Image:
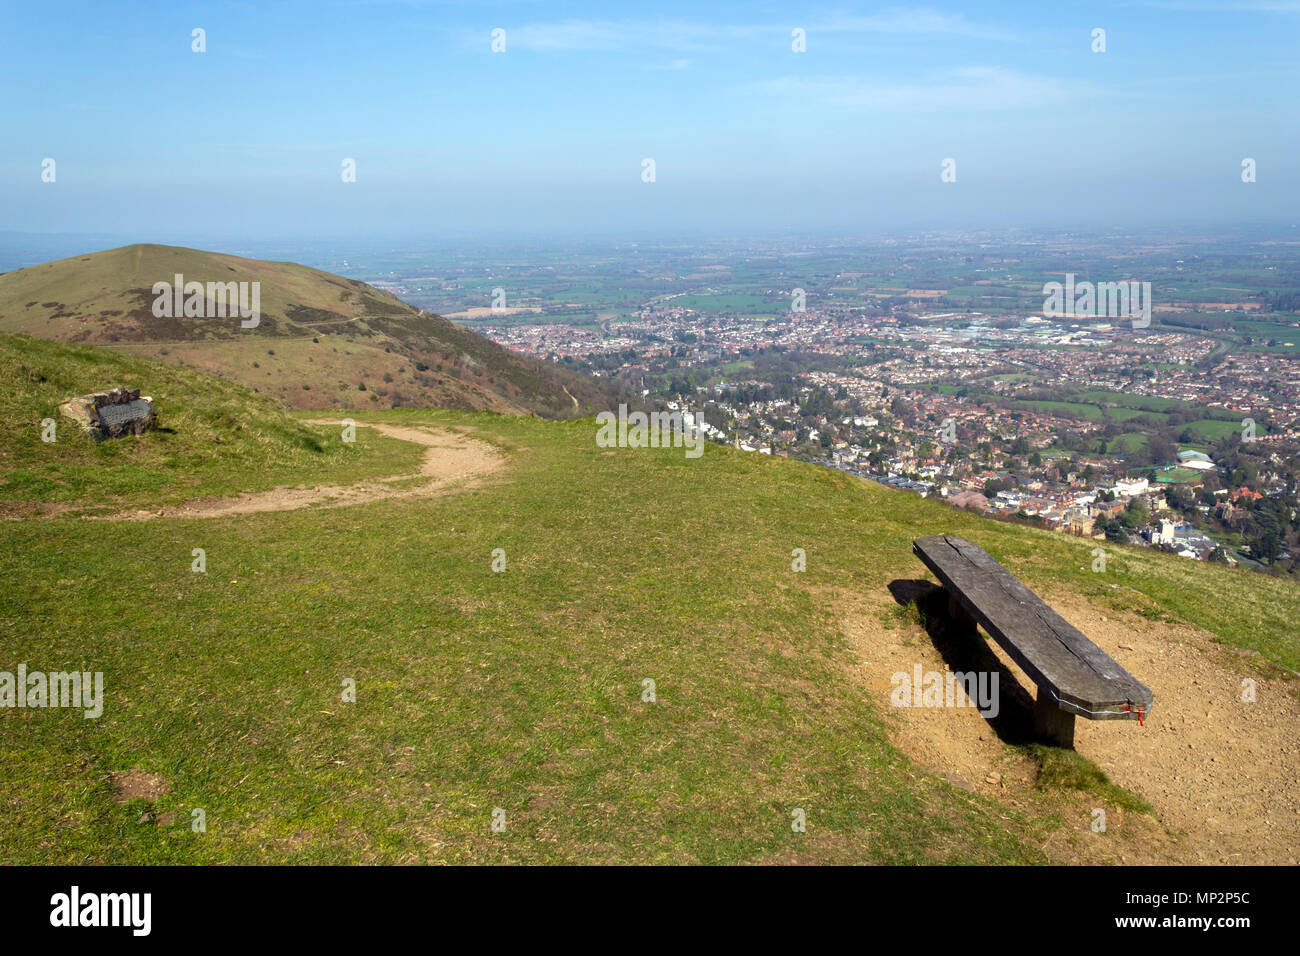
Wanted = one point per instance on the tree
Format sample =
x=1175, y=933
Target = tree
x=1135, y=515
x=1268, y=546
x=993, y=486
x=1161, y=450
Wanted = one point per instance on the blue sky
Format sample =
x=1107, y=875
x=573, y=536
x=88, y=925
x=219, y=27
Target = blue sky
x=246, y=140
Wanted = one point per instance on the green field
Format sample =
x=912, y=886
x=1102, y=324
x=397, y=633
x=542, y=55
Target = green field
x=1094, y=413
x=1128, y=443
x=1094, y=406
x=1124, y=400
x=1213, y=429
x=1174, y=476
x=732, y=303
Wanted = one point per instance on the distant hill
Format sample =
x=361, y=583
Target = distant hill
x=322, y=341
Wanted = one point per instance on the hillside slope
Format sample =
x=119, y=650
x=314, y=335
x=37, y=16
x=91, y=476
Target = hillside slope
x=323, y=341
x=525, y=688
x=213, y=438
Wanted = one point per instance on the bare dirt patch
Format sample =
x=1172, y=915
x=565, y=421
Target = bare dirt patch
x=1221, y=773
x=453, y=462
x=129, y=785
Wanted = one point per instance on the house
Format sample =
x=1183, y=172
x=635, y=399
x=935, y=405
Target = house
x=1077, y=521
x=1105, y=509
x=1128, y=487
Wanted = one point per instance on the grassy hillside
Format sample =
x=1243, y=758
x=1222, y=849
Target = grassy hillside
x=521, y=690
x=213, y=437
x=323, y=340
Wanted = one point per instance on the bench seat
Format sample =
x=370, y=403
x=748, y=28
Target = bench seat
x=1074, y=676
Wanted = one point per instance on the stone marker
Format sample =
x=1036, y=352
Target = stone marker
x=111, y=413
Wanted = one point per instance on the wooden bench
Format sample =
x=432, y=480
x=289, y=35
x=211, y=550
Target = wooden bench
x=1074, y=675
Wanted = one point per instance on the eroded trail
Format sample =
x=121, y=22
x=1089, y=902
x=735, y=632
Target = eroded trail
x=1222, y=774
x=452, y=462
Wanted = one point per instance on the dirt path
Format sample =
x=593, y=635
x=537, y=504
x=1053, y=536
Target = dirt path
x=1223, y=775
x=453, y=462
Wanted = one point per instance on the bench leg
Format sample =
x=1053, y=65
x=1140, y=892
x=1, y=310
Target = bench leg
x=1051, y=724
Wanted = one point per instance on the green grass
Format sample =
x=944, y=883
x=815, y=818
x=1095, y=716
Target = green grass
x=1066, y=770
x=213, y=437
x=1124, y=400
x=523, y=690
x=1212, y=429
x=732, y=302
x=1079, y=410
x=1128, y=443
x=476, y=690
x=1174, y=476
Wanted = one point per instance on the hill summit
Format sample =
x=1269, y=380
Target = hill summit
x=319, y=341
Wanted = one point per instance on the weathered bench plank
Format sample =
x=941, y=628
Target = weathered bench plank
x=1073, y=675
